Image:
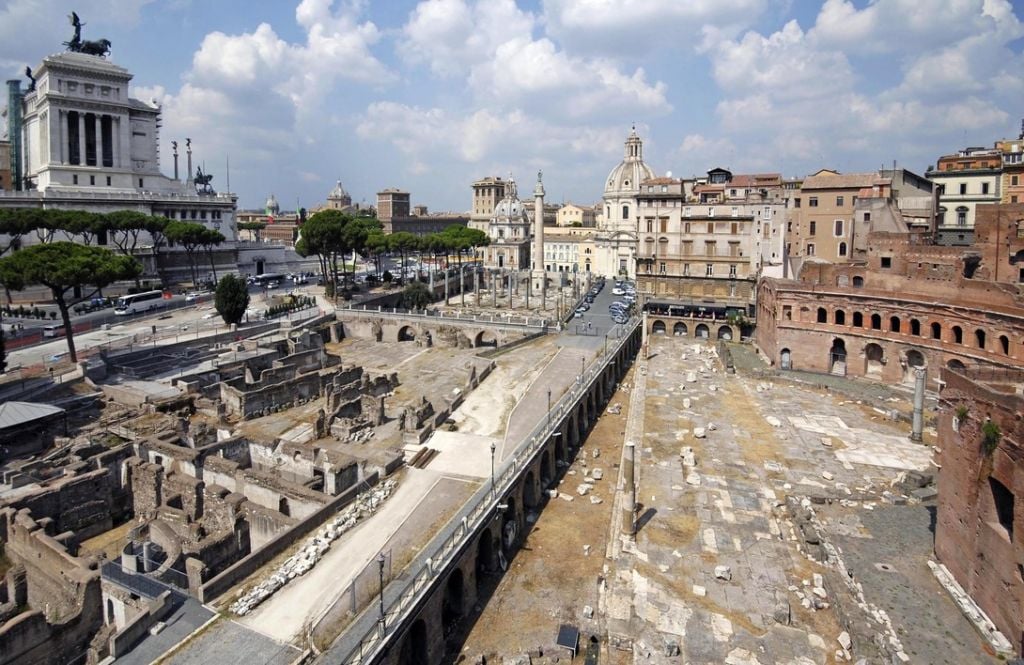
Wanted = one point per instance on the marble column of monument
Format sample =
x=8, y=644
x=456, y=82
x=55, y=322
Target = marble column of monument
x=539, y=276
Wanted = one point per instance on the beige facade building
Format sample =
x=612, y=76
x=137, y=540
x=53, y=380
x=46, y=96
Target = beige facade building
x=1013, y=168
x=391, y=203
x=826, y=224
x=487, y=192
x=568, y=249
x=574, y=215
x=971, y=177
x=706, y=255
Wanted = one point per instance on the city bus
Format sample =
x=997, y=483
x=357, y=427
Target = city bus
x=268, y=278
x=139, y=302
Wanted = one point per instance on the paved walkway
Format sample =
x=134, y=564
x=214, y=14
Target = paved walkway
x=560, y=374
x=228, y=642
x=283, y=615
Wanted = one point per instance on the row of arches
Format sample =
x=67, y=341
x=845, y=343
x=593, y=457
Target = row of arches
x=978, y=338
x=700, y=331
x=874, y=359
x=483, y=338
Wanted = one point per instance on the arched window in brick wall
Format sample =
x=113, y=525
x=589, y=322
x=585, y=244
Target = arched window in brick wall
x=1004, y=344
x=936, y=330
x=839, y=317
x=979, y=338
x=858, y=320
x=822, y=315
x=915, y=327
x=958, y=334
x=894, y=323
x=876, y=322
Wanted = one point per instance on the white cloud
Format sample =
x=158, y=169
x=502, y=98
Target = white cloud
x=538, y=75
x=803, y=99
x=639, y=26
x=452, y=35
x=492, y=44
x=260, y=97
x=30, y=29
x=784, y=64
x=474, y=136
x=907, y=26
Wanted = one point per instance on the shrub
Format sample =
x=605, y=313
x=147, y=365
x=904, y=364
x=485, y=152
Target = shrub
x=990, y=435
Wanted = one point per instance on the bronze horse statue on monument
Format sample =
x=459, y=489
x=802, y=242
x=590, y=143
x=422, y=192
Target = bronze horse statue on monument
x=99, y=47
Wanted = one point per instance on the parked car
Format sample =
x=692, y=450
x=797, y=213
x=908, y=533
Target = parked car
x=191, y=297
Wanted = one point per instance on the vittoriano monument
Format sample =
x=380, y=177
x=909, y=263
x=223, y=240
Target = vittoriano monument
x=100, y=47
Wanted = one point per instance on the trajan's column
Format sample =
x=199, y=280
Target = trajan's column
x=539, y=275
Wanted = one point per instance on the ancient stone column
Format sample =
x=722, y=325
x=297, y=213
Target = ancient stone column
x=538, y=233
x=918, y=423
x=629, y=491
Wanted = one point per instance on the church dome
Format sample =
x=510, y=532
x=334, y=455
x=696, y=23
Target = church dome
x=625, y=179
x=510, y=208
x=272, y=206
x=338, y=192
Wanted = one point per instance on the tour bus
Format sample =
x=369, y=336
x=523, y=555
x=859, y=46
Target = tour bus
x=139, y=302
x=53, y=330
x=268, y=278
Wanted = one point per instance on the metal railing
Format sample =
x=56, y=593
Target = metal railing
x=507, y=321
x=369, y=635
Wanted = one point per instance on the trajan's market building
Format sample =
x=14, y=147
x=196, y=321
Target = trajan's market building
x=80, y=142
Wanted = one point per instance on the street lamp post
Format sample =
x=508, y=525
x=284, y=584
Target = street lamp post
x=493, y=448
x=380, y=568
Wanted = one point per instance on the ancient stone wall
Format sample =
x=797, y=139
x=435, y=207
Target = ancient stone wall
x=978, y=524
x=63, y=594
x=79, y=503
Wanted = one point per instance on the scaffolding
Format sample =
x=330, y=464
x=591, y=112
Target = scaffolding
x=14, y=131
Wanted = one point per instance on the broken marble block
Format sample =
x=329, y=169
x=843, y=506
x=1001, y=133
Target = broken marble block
x=723, y=573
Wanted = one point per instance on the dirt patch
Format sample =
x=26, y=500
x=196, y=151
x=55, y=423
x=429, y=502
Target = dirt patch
x=109, y=543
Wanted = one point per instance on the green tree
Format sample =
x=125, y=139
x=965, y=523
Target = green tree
x=79, y=224
x=210, y=239
x=231, y=298
x=126, y=228
x=255, y=227
x=463, y=239
x=376, y=245
x=322, y=235
x=191, y=237
x=403, y=242
x=62, y=266
x=416, y=296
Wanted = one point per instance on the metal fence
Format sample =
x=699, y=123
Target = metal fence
x=365, y=587
x=370, y=634
x=507, y=321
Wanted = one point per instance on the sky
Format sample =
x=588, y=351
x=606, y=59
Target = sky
x=428, y=96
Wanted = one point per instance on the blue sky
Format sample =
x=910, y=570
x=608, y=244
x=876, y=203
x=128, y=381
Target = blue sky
x=430, y=95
